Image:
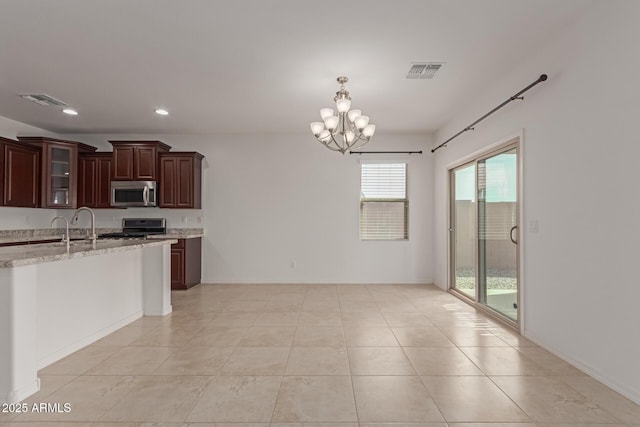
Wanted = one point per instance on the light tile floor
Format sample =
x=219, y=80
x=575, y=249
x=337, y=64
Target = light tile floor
x=320, y=356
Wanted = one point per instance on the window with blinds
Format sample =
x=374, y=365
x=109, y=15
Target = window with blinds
x=383, y=201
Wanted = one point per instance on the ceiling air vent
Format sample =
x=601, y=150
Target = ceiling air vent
x=44, y=99
x=423, y=70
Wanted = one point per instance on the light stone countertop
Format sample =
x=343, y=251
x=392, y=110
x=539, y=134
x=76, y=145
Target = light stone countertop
x=16, y=256
x=36, y=234
x=179, y=233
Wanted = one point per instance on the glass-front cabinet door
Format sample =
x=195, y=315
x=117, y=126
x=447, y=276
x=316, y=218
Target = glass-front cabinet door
x=60, y=176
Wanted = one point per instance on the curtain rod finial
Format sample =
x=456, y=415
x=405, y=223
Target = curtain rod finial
x=543, y=77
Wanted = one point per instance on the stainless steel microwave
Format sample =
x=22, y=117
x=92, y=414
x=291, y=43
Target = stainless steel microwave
x=133, y=193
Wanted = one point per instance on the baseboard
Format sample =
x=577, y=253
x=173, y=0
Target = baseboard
x=321, y=283
x=630, y=393
x=19, y=395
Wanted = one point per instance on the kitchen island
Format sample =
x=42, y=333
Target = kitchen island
x=55, y=301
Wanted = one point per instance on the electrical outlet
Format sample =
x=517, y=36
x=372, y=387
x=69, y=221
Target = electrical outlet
x=185, y=220
x=533, y=226
x=292, y=264
x=199, y=219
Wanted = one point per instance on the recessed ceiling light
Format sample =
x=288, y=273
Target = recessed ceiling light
x=161, y=112
x=70, y=111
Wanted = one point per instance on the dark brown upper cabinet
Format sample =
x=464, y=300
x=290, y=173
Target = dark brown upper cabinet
x=58, y=167
x=180, y=180
x=136, y=160
x=94, y=179
x=20, y=172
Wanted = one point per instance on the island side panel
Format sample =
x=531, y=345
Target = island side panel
x=18, y=336
x=156, y=279
x=84, y=299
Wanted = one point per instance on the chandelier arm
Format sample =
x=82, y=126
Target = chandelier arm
x=332, y=148
x=328, y=145
x=340, y=147
x=356, y=146
x=358, y=136
x=352, y=143
x=356, y=131
x=344, y=146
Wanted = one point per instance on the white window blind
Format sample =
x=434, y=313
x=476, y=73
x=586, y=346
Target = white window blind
x=383, y=201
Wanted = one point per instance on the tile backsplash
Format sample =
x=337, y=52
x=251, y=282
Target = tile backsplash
x=29, y=218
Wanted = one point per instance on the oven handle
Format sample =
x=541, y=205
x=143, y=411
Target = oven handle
x=145, y=195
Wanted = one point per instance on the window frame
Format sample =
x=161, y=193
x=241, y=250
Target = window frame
x=405, y=202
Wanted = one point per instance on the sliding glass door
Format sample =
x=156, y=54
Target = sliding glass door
x=497, y=232
x=484, y=231
x=463, y=234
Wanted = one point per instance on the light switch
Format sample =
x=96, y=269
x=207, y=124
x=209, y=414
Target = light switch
x=533, y=226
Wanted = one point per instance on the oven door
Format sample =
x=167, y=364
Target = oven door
x=133, y=193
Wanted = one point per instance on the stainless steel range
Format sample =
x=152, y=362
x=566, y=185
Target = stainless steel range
x=138, y=228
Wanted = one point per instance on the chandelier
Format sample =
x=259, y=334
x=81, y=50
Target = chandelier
x=346, y=131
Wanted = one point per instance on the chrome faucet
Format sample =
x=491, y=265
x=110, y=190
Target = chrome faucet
x=74, y=221
x=65, y=237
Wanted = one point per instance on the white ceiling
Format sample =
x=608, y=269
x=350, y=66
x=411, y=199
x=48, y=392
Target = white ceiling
x=233, y=66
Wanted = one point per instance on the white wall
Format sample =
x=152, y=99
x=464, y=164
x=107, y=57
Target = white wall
x=270, y=200
x=11, y=128
x=581, y=149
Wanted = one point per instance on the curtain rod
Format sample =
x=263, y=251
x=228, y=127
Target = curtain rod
x=542, y=78
x=385, y=152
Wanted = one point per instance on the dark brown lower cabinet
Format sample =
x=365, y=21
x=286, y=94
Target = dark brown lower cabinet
x=186, y=263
